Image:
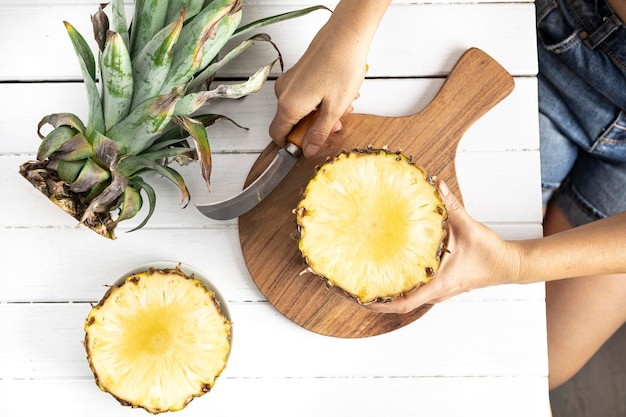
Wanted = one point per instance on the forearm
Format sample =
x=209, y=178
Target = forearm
x=593, y=249
x=353, y=24
x=361, y=17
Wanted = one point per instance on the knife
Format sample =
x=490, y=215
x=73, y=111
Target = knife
x=266, y=182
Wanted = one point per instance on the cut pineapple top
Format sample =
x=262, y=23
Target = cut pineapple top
x=372, y=223
x=157, y=340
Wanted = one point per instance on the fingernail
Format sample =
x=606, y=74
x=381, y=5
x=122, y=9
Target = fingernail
x=443, y=188
x=311, y=150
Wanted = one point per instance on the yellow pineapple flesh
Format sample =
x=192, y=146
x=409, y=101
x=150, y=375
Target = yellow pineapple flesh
x=372, y=223
x=157, y=340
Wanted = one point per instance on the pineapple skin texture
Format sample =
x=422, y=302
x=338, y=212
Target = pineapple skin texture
x=157, y=340
x=372, y=223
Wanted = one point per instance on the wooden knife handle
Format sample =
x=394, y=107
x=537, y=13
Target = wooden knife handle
x=297, y=133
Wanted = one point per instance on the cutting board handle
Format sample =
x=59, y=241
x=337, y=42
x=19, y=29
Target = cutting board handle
x=475, y=84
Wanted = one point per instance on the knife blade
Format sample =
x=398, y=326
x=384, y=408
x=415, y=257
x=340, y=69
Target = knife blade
x=265, y=183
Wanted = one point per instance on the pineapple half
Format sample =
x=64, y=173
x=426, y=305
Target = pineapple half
x=157, y=340
x=148, y=105
x=372, y=223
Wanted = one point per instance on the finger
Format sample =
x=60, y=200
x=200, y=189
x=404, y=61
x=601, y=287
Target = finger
x=337, y=127
x=429, y=293
x=397, y=306
x=280, y=127
x=284, y=122
x=450, y=200
x=401, y=305
x=318, y=132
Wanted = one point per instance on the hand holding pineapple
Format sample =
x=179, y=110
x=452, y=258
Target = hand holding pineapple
x=479, y=258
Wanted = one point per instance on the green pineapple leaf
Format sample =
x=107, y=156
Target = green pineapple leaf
x=192, y=7
x=117, y=80
x=108, y=198
x=88, y=68
x=90, y=175
x=132, y=165
x=61, y=119
x=152, y=64
x=147, y=105
x=174, y=134
x=142, y=185
x=200, y=41
x=143, y=125
x=148, y=20
x=68, y=170
x=75, y=149
x=198, y=132
x=54, y=140
x=210, y=71
x=194, y=101
x=131, y=204
x=119, y=21
x=275, y=19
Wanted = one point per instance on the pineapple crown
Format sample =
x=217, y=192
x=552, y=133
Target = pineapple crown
x=151, y=106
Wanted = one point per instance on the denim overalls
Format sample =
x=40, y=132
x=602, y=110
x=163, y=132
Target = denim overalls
x=582, y=107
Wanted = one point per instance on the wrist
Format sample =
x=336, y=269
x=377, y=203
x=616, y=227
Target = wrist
x=358, y=19
x=523, y=250
x=517, y=274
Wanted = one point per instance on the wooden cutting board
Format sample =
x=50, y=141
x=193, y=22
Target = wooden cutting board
x=267, y=232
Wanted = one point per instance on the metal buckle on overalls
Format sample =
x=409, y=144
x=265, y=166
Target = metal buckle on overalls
x=610, y=25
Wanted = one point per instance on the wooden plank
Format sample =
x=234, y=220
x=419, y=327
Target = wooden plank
x=415, y=48
x=514, y=175
x=510, y=125
x=64, y=273
x=43, y=340
x=501, y=187
x=367, y=397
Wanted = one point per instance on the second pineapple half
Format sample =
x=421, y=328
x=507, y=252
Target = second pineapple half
x=158, y=340
x=372, y=223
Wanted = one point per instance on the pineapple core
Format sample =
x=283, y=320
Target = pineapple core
x=157, y=341
x=372, y=223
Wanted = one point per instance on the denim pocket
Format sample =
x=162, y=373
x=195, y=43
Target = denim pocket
x=612, y=143
x=554, y=32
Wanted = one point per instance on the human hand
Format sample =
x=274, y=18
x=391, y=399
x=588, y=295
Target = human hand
x=476, y=257
x=327, y=78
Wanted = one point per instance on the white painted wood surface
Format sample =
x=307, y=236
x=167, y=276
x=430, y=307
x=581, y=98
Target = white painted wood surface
x=480, y=353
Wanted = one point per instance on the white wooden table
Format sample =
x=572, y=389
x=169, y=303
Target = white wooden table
x=482, y=353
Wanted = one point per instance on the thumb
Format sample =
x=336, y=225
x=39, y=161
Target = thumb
x=452, y=203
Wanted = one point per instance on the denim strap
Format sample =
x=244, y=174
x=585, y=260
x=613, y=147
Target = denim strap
x=610, y=24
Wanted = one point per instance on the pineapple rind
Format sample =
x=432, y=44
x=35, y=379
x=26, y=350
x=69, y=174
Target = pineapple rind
x=373, y=224
x=157, y=340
